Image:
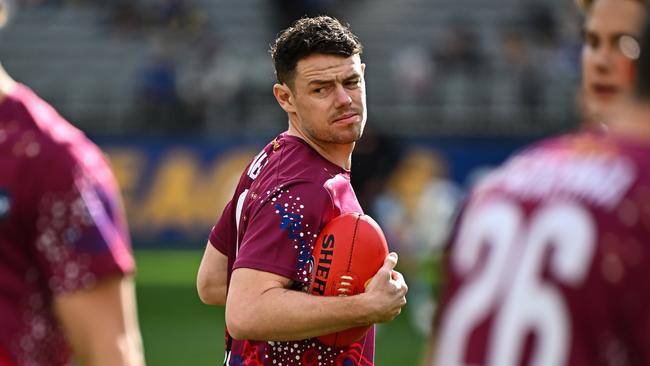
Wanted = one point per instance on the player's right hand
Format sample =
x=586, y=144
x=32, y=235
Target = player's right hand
x=387, y=291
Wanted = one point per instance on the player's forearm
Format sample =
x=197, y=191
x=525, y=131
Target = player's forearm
x=112, y=348
x=211, y=278
x=101, y=323
x=283, y=315
x=212, y=293
x=122, y=351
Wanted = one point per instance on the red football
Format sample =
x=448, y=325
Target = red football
x=348, y=252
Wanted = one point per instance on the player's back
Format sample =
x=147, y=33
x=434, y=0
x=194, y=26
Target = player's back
x=547, y=265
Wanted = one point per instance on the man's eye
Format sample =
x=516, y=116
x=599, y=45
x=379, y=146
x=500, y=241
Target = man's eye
x=591, y=41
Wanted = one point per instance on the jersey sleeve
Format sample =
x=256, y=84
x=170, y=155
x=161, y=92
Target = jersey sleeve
x=280, y=233
x=224, y=225
x=81, y=231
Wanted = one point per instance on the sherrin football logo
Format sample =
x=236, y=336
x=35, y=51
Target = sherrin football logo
x=322, y=271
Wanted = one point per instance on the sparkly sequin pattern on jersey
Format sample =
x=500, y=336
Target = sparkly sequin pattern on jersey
x=271, y=225
x=62, y=228
x=548, y=263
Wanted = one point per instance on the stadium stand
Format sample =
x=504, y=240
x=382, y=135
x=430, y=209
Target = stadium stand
x=73, y=56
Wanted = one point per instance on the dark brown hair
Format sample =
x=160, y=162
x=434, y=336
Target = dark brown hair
x=308, y=36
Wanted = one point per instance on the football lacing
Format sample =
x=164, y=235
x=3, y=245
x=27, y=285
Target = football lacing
x=345, y=286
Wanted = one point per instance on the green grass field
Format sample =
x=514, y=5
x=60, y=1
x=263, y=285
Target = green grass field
x=179, y=330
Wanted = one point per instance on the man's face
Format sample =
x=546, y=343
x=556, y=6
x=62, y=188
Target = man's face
x=329, y=98
x=605, y=77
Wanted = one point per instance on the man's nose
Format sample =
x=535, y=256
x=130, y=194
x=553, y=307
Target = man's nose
x=604, y=59
x=343, y=98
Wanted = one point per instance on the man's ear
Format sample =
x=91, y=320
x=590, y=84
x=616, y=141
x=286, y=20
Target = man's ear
x=284, y=96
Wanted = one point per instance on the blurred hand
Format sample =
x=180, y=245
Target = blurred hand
x=387, y=291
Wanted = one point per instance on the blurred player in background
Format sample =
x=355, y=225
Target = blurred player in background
x=259, y=252
x=605, y=82
x=65, y=256
x=606, y=79
x=549, y=262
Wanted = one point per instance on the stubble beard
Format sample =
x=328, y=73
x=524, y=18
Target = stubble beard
x=350, y=134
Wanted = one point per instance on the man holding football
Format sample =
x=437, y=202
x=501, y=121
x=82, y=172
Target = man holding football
x=257, y=261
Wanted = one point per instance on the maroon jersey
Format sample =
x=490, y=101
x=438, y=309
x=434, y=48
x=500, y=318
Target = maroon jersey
x=284, y=198
x=61, y=226
x=549, y=262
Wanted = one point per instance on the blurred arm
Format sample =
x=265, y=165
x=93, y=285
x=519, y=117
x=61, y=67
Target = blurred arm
x=211, y=279
x=261, y=307
x=101, y=323
x=427, y=356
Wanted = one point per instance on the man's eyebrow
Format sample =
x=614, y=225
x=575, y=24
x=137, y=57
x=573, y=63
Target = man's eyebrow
x=320, y=82
x=354, y=75
x=618, y=35
x=585, y=32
